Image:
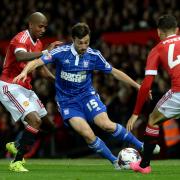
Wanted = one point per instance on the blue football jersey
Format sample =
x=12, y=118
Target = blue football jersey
x=74, y=72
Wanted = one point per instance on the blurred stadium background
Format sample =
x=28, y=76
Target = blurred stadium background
x=124, y=31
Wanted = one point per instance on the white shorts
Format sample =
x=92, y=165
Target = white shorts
x=20, y=101
x=169, y=104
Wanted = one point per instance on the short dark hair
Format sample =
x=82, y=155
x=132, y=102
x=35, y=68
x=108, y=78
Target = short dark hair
x=167, y=22
x=80, y=30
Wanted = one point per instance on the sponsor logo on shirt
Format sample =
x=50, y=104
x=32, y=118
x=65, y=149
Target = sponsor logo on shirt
x=80, y=77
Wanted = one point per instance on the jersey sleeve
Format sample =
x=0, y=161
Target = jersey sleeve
x=19, y=45
x=51, y=56
x=152, y=62
x=102, y=64
x=143, y=94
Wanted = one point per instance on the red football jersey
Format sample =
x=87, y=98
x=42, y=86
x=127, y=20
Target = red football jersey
x=12, y=68
x=167, y=55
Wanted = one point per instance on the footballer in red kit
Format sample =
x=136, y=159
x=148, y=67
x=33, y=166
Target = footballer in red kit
x=18, y=98
x=11, y=68
x=167, y=55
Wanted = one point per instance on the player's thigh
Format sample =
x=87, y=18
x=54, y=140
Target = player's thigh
x=102, y=120
x=168, y=107
x=92, y=106
x=38, y=105
x=16, y=100
x=156, y=117
x=69, y=110
x=81, y=126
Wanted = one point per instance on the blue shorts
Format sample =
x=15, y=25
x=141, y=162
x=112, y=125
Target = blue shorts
x=85, y=107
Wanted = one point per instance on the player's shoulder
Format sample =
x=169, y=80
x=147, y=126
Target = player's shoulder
x=61, y=48
x=93, y=51
x=21, y=37
x=156, y=48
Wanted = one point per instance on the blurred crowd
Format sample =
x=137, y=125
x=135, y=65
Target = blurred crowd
x=102, y=16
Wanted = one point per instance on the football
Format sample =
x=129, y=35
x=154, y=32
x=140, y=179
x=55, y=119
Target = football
x=126, y=156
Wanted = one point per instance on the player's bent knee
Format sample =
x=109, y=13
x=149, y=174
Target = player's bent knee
x=108, y=127
x=153, y=120
x=33, y=120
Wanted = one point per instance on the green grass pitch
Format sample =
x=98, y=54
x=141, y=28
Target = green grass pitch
x=87, y=169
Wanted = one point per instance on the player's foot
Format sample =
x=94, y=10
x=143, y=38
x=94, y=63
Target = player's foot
x=11, y=148
x=116, y=165
x=135, y=166
x=17, y=167
x=155, y=151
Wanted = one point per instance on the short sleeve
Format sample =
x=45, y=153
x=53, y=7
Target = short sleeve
x=19, y=45
x=102, y=64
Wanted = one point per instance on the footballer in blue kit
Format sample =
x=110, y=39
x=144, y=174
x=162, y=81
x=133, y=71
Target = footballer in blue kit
x=74, y=91
x=78, y=102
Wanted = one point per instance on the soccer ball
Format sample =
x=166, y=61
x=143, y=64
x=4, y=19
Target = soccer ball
x=126, y=156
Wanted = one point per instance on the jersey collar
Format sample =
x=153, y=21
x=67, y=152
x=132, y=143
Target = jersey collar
x=171, y=35
x=74, y=52
x=34, y=43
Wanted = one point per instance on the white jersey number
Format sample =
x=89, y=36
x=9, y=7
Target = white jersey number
x=92, y=104
x=172, y=63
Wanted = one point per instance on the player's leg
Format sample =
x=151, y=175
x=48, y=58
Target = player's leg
x=16, y=100
x=47, y=126
x=94, y=142
x=168, y=107
x=29, y=134
x=150, y=140
x=27, y=139
x=116, y=130
x=151, y=136
x=37, y=107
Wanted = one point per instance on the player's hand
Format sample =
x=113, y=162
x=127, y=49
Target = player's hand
x=21, y=77
x=53, y=45
x=150, y=95
x=131, y=122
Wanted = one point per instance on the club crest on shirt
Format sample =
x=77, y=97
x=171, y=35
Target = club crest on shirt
x=47, y=56
x=26, y=103
x=85, y=64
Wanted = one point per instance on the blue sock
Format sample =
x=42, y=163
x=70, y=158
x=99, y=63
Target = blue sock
x=100, y=147
x=123, y=135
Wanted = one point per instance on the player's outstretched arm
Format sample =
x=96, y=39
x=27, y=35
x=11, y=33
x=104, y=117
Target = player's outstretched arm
x=28, y=68
x=124, y=77
x=28, y=56
x=141, y=98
